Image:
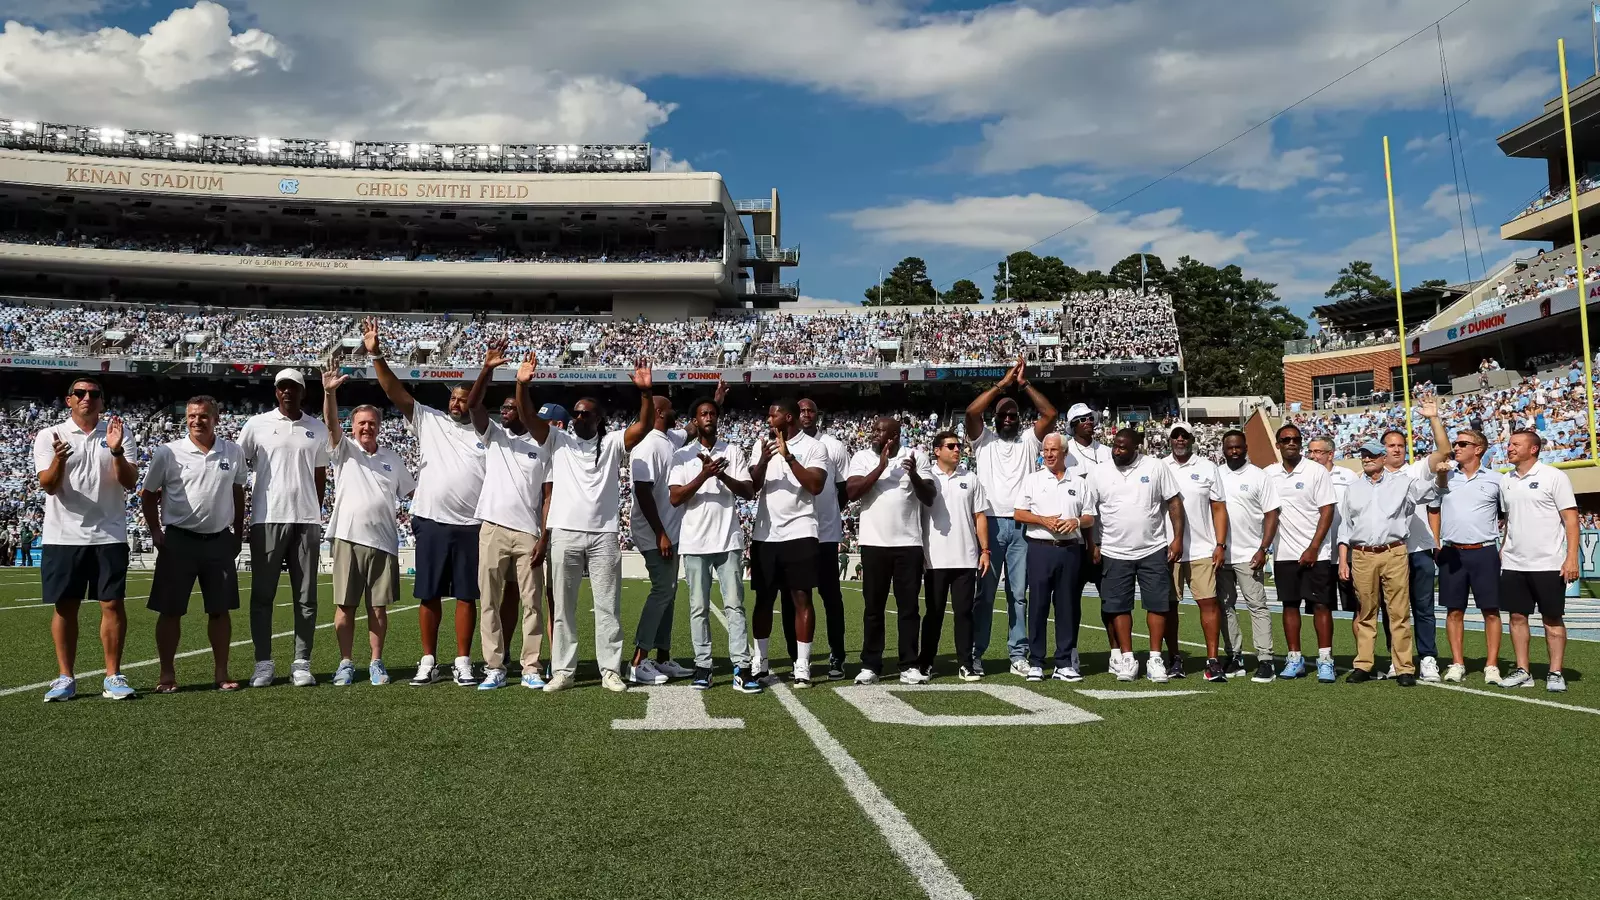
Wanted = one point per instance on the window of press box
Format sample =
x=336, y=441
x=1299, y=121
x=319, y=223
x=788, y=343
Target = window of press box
x=1436, y=372
x=1349, y=385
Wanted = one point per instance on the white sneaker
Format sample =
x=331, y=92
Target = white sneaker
x=300, y=673
x=1429, y=669
x=1155, y=669
x=1128, y=669
x=1391, y=673
x=1491, y=674
x=559, y=681
x=613, y=682
x=427, y=672
x=1066, y=673
x=646, y=673
x=671, y=669
x=1456, y=674
x=1020, y=667
x=912, y=676
x=462, y=670
x=866, y=676
x=801, y=674
x=1115, y=666
x=1035, y=673
x=265, y=672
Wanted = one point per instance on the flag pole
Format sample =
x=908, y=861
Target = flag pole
x=1399, y=304
x=1577, y=247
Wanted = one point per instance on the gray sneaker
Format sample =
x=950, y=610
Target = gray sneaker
x=1519, y=677
x=1555, y=683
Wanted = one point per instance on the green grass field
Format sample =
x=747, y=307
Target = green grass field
x=1236, y=790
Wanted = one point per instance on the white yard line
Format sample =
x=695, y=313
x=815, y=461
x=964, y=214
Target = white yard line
x=184, y=655
x=1508, y=694
x=908, y=844
x=38, y=601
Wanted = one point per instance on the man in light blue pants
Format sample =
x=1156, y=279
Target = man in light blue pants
x=1006, y=454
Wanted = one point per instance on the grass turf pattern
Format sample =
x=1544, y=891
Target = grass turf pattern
x=1241, y=790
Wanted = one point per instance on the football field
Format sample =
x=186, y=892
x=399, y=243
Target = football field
x=999, y=790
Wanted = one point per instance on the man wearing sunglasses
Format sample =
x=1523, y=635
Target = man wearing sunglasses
x=1469, y=560
x=289, y=453
x=955, y=526
x=1302, y=562
x=85, y=472
x=1006, y=454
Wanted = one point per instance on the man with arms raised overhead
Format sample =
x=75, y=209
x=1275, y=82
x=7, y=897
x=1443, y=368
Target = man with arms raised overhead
x=1252, y=500
x=193, y=494
x=1005, y=455
x=1422, y=542
x=444, y=514
x=1136, y=504
x=1540, y=556
x=289, y=452
x=1302, y=563
x=85, y=472
x=586, y=478
x=893, y=494
x=368, y=480
x=830, y=532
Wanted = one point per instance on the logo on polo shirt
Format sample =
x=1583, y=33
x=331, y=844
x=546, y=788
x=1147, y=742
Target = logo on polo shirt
x=480, y=445
x=1299, y=485
x=1144, y=479
x=388, y=468
x=1532, y=485
x=532, y=455
x=310, y=434
x=225, y=465
x=108, y=447
x=962, y=485
x=1072, y=492
x=1194, y=476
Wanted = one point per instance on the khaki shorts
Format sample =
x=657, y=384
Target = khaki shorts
x=1199, y=574
x=362, y=572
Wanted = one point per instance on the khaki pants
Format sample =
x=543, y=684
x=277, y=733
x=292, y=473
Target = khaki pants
x=1200, y=576
x=505, y=554
x=1390, y=573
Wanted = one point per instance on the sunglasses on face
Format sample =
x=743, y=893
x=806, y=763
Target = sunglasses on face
x=1466, y=443
x=582, y=413
x=81, y=393
x=950, y=447
x=1288, y=440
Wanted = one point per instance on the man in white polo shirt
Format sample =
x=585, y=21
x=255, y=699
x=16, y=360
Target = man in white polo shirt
x=1422, y=541
x=586, y=484
x=511, y=545
x=1540, y=555
x=956, y=552
x=288, y=450
x=653, y=522
x=1252, y=500
x=367, y=482
x=85, y=472
x=1302, y=564
x=193, y=494
x=1136, y=504
x=893, y=494
x=708, y=479
x=444, y=514
x=1054, y=506
x=1206, y=511
x=1083, y=454
x=1005, y=454
x=830, y=531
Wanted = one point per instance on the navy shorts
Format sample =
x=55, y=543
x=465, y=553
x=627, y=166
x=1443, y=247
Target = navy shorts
x=447, y=560
x=1305, y=587
x=1523, y=592
x=784, y=566
x=1477, y=570
x=71, y=572
x=1152, y=575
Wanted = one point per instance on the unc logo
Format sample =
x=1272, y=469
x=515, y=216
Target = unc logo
x=1299, y=485
x=310, y=435
x=963, y=485
x=1532, y=485
x=532, y=455
x=480, y=445
x=388, y=468
x=672, y=376
x=289, y=186
x=1072, y=492
x=1195, y=476
x=225, y=466
x=1166, y=368
x=1144, y=479
x=1450, y=335
x=108, y=447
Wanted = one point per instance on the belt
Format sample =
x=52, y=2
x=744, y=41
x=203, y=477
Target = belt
x=1067, y=543
x=1378, y=548
x=1455, y=546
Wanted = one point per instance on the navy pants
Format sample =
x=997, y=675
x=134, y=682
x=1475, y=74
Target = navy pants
x=1053, y=588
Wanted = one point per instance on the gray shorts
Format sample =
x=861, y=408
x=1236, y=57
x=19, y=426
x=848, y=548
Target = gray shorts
x=1152, y=575
x=364, y=573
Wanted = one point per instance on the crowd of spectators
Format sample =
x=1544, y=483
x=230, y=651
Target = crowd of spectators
x=1551, y=198
x=690, y=343
x=1120, y=324
x=818, y=340
x=973, y=334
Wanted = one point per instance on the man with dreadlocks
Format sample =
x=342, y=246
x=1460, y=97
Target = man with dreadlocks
x=586, y=477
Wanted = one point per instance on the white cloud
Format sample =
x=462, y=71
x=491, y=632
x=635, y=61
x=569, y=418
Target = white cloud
x=803, y=300
x=662, y=160
x=1423, y=147
x=1329, y=190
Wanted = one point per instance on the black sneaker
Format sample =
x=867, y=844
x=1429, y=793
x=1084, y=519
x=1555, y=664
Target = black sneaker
x=835, y=668
x=744, y=683
x=1175, y=666
x=1235, y=667
x=1265, y=673
x=1406, y=680
x=1215, y=672
x=1357, y=676
x=701, y=680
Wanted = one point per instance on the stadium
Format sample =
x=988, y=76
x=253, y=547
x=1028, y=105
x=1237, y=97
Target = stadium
x=427, y=288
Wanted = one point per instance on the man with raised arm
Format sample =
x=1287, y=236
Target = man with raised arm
x=586, y=478
x=444, y=514
x=289, y=452
x=1005, y=454
x=1422, y=540
x=85, y=473
x=368, y=481
x=511, y=542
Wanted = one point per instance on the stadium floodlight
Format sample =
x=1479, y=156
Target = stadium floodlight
x=109, y=135
x=449, y=154
x=144, y=142
x=347, y=149
x=413, y=151
x=494, y=149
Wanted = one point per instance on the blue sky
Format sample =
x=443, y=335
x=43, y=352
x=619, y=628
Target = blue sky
x=953, y=132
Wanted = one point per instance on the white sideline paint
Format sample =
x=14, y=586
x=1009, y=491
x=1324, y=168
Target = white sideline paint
x=184, y=655
x=1134, y=695
x=1509, y=694
x=674, y=708
x=913, y=850
x=879, y=704
x=38, y=601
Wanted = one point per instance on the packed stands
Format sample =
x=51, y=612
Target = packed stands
x=975, y=334
x=1536, y=278
x=1120, y=324
x=805, y=340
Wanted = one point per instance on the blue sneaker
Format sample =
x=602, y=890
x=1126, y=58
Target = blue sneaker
x=492, y=679
x=376, y=673
x=115, y=687
x=533, y=681
x=701, y=679
x=1295, y=667
x=345, y=674
x=63, y=688
x=744, y=682
x=1325, y=671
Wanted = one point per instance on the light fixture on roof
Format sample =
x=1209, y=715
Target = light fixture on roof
x=346, y=149
x=449, y=154
x=413, y=151
x=109, y=135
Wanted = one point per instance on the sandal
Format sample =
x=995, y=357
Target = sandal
x=227, y=686
x=166, y=687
